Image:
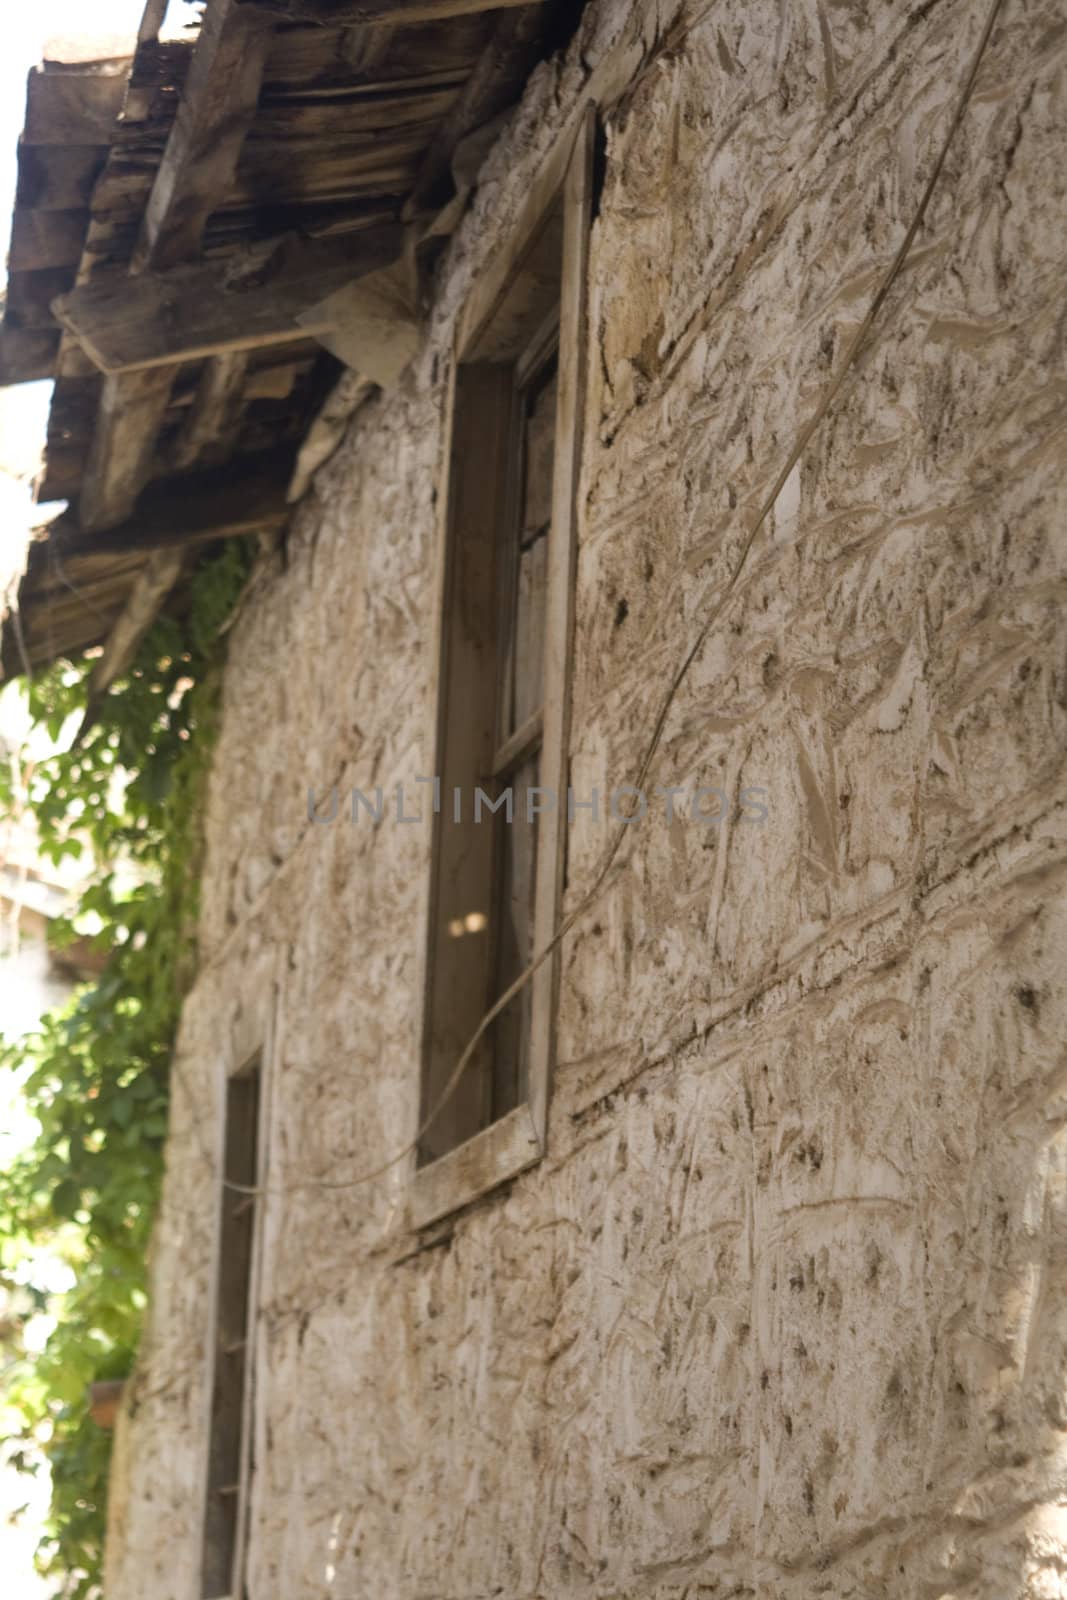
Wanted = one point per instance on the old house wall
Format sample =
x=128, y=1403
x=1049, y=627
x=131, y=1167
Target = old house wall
x=782, y=1313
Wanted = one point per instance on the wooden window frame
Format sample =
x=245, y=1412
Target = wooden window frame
x=517, y=1140
x=249, y=1052
x=516, y=743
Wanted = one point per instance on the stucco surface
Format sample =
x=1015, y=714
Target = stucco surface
x=783, y=1313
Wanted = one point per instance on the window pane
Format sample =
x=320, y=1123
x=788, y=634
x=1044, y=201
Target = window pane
x=514, y=924
x=531, y=566
x=226, y=1445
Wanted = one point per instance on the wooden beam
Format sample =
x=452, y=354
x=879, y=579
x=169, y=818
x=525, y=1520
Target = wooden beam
x=58, y=177
x=327, y=430
x=126, y=324
x=151, y=21
x=246, y=495
x=128, y=420
x=72, y=106
x=46, y=239
x=277, y=380
x=368, y=47
x=157, y=579
x=76, y=584
x=27, y=354
x=497, y=80
x=356, y=13
x=215, y=414
x=217, y=108
x=272, y=382
x=29, y=296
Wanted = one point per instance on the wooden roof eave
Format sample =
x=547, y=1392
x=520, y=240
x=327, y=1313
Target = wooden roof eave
x=178, y=296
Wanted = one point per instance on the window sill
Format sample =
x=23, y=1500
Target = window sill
x=498, y=1153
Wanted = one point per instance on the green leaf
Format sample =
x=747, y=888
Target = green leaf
x=66, y=1198
x=96, y=1076
x=122, y=1109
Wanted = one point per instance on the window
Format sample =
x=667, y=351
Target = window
x=515, y=768
x=506, y=601
x=229, y=1451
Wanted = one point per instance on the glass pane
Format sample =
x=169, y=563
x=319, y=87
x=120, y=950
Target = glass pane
x=530, y=630
x=514, y=925
x=528, y=652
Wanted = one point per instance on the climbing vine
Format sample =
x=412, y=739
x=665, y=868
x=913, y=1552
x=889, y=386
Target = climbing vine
x=84, y=1192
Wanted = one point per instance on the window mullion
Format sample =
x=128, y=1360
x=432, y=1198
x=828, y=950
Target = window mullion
x=522, y=743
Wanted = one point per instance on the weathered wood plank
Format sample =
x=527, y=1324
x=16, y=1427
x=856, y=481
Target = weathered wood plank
x=351, y=170
x=499, y=1152
x=30, y=295
x=370, y=46
x=521, y=268
x=218, y=103
x=497, y=80
x=157, y=579
x=128, y=420
x=27, y=354
x=71, y=423
x=310, y=57
x=559, y=619
x=327, y=430
x=151, y=20
x=64, y=468
x=90, y=578
x=162, y=64
x=127, y=324
x=403, y=13
x=58, y=177
x=76, y=108
x=274, y=382
x=243, y=497
x=56, y=635
x=217, y=107
x=232, y=230
x=72, y=362
x=215, y=413
x=46, y=239
x=347, y=116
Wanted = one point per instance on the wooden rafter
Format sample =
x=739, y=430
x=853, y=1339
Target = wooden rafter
x=216, y=111
x=215, y=413
x=217, y=108
x=495, y=82
x=158, y=319
x=128, y=420
x=151, y=20
x=241, y=497
x=27, y=354
x=157, y=579
x=370, y=47
x=346, y=13
x=77, y=584
x=153, y=230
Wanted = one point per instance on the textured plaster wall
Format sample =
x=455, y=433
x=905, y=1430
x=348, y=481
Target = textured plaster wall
x=784, y=1311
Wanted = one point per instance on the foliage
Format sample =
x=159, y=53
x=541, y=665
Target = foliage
x=97, y=1071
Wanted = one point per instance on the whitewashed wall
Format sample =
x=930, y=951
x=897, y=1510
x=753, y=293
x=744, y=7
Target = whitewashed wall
x=784, y=1312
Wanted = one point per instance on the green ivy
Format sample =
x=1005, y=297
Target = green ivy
x=86, y=1191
